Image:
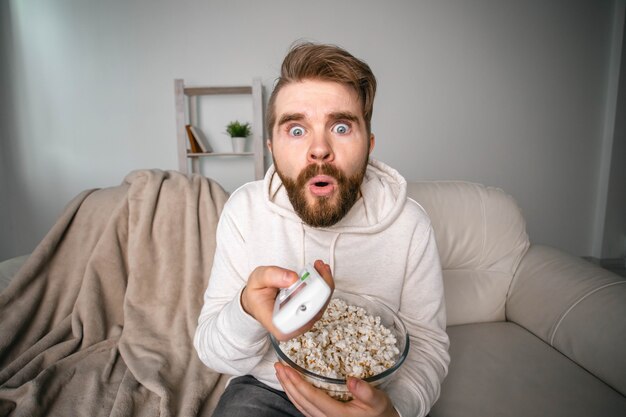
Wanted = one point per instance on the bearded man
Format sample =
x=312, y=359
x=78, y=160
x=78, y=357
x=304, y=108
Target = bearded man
x=323, y=200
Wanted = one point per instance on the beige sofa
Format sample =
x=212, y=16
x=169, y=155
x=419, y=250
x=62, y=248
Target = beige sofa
x=533, y=331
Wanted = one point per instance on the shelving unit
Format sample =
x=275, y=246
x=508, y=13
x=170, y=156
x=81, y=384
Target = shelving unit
x=187, y=98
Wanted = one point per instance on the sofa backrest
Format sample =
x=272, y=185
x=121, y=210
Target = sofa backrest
x=481, y=236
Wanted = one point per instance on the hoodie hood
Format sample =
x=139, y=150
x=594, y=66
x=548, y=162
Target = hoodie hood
x=383, y=194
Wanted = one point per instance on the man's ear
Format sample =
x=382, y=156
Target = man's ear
x=269, y=145
x=372, y=142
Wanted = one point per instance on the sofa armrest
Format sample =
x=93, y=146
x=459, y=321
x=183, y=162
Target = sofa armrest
x=9, y=268
x=576, y=307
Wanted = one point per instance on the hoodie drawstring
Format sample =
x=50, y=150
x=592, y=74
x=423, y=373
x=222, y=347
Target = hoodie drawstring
x=303, y=254
x=331, y=255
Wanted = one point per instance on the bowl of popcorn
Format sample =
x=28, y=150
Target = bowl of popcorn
x=357, y=336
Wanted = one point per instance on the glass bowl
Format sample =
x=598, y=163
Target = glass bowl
x=337, y=388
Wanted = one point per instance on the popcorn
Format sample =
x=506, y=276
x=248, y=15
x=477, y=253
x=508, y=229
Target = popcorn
x=346, y=341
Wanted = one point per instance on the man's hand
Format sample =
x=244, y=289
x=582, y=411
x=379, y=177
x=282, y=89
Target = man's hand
x=257, y=298
x=312, y=402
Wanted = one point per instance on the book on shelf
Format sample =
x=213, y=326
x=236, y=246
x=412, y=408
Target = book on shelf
x=201, y=139
x=193, y=143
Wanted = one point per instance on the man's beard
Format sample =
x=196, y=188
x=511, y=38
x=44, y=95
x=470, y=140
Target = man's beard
x=325, y=211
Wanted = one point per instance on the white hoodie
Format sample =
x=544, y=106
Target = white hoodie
x=384, y=247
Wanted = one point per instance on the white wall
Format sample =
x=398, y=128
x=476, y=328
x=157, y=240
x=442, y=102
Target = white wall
x=508, y=93
x=10, y=194
x=614, y=231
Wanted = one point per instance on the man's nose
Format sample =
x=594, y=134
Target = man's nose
x=321, y=149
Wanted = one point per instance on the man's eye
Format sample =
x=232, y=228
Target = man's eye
x=341, y=128
x=296, y=131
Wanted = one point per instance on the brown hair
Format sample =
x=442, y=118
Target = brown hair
x=328, y=63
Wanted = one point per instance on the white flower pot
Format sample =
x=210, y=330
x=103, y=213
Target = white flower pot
x=239, y=144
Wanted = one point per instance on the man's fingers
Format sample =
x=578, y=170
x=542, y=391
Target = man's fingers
x=324, y=270
x=367, y=397
x=257, y=297
x=272, y=277
x=361, y=390
x=309, y=400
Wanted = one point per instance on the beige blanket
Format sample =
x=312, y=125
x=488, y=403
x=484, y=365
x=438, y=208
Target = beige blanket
x=101, y=318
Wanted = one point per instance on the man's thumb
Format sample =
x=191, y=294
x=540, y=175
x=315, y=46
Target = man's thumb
x=361, y=390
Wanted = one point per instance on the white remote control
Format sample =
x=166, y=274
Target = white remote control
x=297, y=305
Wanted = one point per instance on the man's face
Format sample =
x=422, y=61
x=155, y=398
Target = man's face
x=320, y=148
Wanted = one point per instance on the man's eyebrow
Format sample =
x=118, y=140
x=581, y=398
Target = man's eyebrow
x=344, y=115
x=290, y=117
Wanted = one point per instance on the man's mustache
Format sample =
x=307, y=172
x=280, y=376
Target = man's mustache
x=320, y=169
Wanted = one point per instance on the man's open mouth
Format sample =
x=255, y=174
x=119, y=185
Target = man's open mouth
x=322, y=185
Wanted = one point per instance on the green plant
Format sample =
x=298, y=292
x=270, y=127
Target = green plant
x=238, y=130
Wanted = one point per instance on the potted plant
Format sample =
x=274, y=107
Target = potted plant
x=239, y=133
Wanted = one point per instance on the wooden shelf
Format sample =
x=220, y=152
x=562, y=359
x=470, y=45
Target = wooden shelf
x=206, y=91
x=186, y=97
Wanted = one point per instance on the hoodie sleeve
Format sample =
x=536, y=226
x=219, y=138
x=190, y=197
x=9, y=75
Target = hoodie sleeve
x=227, y=339
x=422, y=308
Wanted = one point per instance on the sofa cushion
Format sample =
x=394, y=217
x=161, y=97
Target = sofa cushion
x=481, y=236
x=575, y=306
x=502, y=370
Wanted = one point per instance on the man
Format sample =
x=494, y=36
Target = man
x=323, y=200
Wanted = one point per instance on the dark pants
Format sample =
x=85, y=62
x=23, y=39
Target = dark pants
x=247, y=397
